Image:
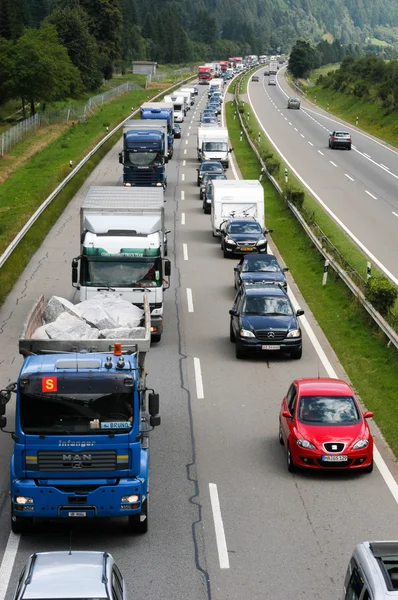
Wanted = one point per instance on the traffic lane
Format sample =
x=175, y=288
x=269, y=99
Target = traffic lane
x=236, y=434
x=172, y=552
x=370, y=220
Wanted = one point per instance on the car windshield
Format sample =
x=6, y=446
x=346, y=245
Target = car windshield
x=270, y=305
x=337, y=410
x=114, y=272
x=145, y=159
x=208, y=120
x=215, y=146
x=244, y=228
x=270, y=265
x=211, y=167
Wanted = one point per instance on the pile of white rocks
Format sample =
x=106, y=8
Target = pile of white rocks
x=104, y=316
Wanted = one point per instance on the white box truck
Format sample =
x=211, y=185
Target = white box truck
x=216, y=85
x=187, y=98
x=192, y=94
x=212, y=144
x=236, y=198
x=123, y=241
x=178, y=102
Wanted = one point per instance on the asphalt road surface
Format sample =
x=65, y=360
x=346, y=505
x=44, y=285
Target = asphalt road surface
x=227, y=520
x=359, y=186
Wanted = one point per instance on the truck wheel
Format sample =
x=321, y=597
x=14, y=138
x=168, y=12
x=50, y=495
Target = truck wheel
x=155, y=338
x=20, y=524
x=135, y=524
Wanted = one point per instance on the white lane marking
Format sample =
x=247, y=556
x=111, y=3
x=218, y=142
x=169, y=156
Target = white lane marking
x=295, y=129
x=186, y=142
x=321, y=153
x=185, y=151
x=198, y=379
x=184, y=162
x=182, y=218
x=185, y=251
x=350, y=178
x=189, y=128
x=182, y=177
x=322, y=203
x=371, y=195
x=285, y=118
x=8, y=562
x=219, y=527
x=310, y=143
x=182, y=195
x=367, y=155
x=289, y=123
x=384, y=167
x=303, y=136
x=189, y=300
x=332, y=163
x=187, y=136
x=395, y=214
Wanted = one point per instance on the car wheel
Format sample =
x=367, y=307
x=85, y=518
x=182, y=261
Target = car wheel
x=349, y=147
x=201, y=195
x=155, y=338
x=20, y=524
x=280, y=436
x=239, y=353
x=291, y=467
x=232, y=337
x=226, y=255
x=297, y=354
x=139, y=523
x=369, y=468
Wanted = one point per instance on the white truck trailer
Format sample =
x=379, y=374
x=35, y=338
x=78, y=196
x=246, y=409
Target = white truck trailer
x=236, y=198
x=212, y=144
x=123, y=241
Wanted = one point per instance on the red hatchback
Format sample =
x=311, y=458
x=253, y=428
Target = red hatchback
x=322, y=426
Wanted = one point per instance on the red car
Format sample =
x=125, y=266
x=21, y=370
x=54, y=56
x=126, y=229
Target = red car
x=322, y=426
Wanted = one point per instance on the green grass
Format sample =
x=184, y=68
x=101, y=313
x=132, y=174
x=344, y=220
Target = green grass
x=375, y=42
x=324, y=70
x=361, y=348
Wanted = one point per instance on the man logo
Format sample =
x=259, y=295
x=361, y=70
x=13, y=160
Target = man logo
x=76, y=458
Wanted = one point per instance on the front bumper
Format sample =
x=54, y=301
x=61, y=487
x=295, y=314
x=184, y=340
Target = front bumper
x=53, y=502
x=255, y=345
x=245, y=249
x=312, y=459
x=156, y=324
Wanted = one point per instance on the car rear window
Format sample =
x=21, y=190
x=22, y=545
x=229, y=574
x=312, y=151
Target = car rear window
x=341, y=134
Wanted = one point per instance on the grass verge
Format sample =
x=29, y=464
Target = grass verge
x=361, y=348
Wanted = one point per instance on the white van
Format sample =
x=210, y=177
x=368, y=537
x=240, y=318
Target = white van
x=236, y=198
x=192, y=92
x=187, y=96
x=178, y=102
x=212, y=144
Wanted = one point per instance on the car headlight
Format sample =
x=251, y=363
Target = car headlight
x=159, y=184
x=360, y=444
x=133, y=499
x=23, y=500
x=246, y=333
x=228, y=240
x=127, y=184
x=294, y=333
x=261, y=243
x=306, y=444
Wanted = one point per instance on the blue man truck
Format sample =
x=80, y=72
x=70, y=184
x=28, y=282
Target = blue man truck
x=145, y=153
x=161, y=111
x=83, y=415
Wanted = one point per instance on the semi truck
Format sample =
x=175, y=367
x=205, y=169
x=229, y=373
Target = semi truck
x=273, y=67
x=161, y=111
x=236, y=198
x=204, y=75
x=83, y=416
x=145, y=153
x=212, y=144
x=123, y=247
x=178, y=103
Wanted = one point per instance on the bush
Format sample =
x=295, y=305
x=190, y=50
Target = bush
x=382, y=294
x=273, y=165
x=296, y=197
x=266, y=154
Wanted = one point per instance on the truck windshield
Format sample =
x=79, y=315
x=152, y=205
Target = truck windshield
x=215, y=147
x=116, y=272
x=177, y=107
x=53, y=414
x=145, y=159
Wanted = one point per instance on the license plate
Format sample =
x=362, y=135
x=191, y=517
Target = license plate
x=77, y=514
x=247, y=249
x=339, y=458
x=270, y=347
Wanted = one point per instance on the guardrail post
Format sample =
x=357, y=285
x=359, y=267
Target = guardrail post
x=241, y=135
x=356, y=121
x=368, y=270
x=325, y=272
x=286, y=176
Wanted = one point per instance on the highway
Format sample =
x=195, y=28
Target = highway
x=226, y=518
x=360, y=187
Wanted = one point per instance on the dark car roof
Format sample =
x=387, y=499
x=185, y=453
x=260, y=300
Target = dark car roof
x=211, y=163
x=262, y=289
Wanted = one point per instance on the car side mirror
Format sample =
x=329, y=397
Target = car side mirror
x=154, y=421
x=167, y=268
x=287, y=414
x=218, y=230
x=167, y=231
x=233, y=312
x=236, y=268
x=74, y=271
x=121, y=157
x=368, y=414
x=268, y=230
x=299, y=312
x=285, y=269
x=231, y=150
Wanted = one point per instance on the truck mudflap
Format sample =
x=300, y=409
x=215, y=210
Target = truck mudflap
x=80, y=499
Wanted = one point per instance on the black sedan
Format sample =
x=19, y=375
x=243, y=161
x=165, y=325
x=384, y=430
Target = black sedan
x=240, y=236
x=209, y=165
x=254, y=268
x=263, y=319
x=205, y=180
x=208, y=189
x=177, y=131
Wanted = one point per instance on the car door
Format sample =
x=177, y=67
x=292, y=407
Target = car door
x=289, y=404
x=354, y=582
x=237, y=305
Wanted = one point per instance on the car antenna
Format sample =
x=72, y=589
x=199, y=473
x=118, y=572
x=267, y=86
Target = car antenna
x=70, y=542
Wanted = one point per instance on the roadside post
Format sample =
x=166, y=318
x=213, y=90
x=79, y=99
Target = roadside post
x=325, y=272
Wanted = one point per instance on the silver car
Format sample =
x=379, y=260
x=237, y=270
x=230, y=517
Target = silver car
x=372, y=572
x=271, y=81
x=74, y=575
x=293, y=103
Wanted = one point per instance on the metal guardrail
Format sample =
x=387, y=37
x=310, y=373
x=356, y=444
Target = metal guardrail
x=11, y=247
x=318, y=243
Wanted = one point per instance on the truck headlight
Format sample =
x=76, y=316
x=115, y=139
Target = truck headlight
x=127, y=185
x=23, y=500
x=133, y=499
x=294, y=333
x=246, y=333
x=159, y=184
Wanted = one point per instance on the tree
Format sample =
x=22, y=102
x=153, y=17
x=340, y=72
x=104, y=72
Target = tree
x=6, y=50
x=14, y=15
x=302, y=59
x=41, y=69
x=72, y=28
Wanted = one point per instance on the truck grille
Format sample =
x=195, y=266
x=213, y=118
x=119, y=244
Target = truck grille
x=141, y=178
x=270, y=336
x=93, y=460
